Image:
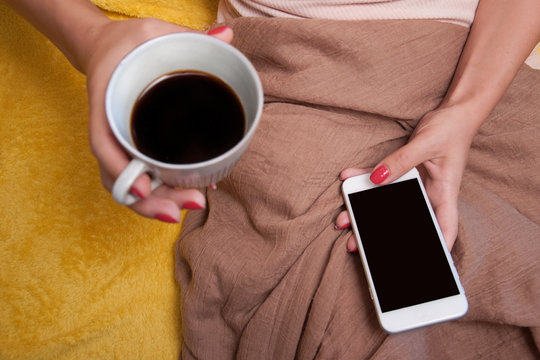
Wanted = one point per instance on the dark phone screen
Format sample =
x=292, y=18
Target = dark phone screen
x=405, y=257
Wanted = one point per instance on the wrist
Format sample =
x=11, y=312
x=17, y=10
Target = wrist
x=466, y=116
x=473, y=91
x=79, y=40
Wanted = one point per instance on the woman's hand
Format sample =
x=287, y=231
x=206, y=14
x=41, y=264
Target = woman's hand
x=114, y=40
x=95, y=44
x=438, y=147
x=442, y=139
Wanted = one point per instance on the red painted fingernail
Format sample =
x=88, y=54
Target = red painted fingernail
x=217, y=30
x=191, y=205
x=136, y=192
x=166, y=218
x=344, y=226
x=379, y=175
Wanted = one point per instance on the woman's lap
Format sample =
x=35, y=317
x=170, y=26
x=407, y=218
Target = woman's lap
x=262, y=270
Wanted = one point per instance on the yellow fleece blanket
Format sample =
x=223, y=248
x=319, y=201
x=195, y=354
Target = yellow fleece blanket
x=80, y=276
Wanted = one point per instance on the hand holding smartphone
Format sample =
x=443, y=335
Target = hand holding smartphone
x=410, y=272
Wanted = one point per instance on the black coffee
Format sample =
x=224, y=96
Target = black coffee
x=187, y=117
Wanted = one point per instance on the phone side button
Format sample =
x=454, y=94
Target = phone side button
x=370, y=293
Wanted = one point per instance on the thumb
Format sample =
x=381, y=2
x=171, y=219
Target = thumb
x=399, y=162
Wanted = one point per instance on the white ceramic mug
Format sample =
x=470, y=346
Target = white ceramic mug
x=163, y=55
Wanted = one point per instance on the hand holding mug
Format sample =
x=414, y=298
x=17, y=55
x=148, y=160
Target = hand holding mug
x=113, y=41
x=185, y=107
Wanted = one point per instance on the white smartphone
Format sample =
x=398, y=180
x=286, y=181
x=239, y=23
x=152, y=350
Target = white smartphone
x=410, y=272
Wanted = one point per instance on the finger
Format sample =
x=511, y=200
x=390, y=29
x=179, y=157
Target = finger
x=400, y=161
x=447, y=216
x=350, y=172
x=343, y=221
x=224, y=33
x=111, y=156
x=112, y=161
x=165, y=203
x=189, y=199
x=109, y=153
x=352, y=246
x=141, y=187
x=155, y=207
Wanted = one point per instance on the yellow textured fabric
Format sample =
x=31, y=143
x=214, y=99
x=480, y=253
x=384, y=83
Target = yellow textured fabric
x=196, y=14
x=80, y=276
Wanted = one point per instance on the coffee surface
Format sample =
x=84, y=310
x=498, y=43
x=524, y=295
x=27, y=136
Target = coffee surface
x=187, y=117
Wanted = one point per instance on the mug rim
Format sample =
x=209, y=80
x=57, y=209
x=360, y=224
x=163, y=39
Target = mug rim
x=179, y=37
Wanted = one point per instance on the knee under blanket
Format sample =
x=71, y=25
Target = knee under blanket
x=263, y=272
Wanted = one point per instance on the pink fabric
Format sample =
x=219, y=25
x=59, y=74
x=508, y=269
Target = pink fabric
x=456, y=11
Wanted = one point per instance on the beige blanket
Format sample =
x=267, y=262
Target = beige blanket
x=263, y=272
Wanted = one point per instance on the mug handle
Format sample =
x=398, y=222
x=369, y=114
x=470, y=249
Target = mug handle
x=122, y=186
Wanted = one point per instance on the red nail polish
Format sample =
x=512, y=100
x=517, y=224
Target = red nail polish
x=217, y=30
x=379, y=175
x=344, y=226
x=166, y=218
x=191, y=205
x=136, y=192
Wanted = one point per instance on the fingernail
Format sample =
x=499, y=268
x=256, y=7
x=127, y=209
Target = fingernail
x=191, y=205
x=136, y=192
x=217, y=30
x=344, y=226
x=379, y=175
x=351, y=251
x=166, y=218
x=213, y=186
